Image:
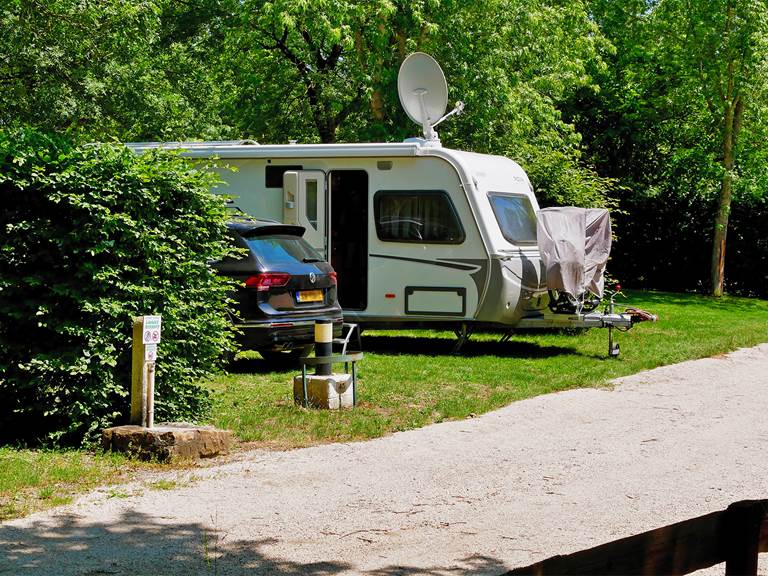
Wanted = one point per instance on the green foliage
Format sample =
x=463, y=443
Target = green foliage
x=93, y=236
x=684, y=76
x=601, y=101
x=515, y=64
x=311, y=70
x=112, y=68
x=334, y=77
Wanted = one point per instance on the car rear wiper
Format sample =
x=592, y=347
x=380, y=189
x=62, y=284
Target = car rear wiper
x=312, y=260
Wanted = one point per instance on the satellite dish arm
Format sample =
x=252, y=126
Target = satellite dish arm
x=455, y=112
x=429, y=133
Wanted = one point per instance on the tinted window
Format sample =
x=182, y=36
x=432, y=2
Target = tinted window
x=274, y=175
x=417, y=216
x=278, y=249
x=515, y=216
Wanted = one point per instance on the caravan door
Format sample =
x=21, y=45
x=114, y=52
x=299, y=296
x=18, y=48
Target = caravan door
x=304, y=204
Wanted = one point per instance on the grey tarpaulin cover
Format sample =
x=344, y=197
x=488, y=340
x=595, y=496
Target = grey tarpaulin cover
x=574, y=244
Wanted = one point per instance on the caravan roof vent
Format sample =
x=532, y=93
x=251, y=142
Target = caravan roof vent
x=423, y=93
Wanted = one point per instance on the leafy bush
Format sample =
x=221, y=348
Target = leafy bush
x=91, y=237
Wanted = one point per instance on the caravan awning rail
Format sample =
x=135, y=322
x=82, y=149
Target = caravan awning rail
x=241, y=150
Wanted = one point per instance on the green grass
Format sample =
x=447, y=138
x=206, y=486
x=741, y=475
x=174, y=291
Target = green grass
x=32, y=480
x=411, y=379
x=163, y=485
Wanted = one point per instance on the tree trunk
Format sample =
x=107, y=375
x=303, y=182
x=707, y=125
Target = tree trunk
x=732, y=120
x=327, y=132
x=731, y=128
x=326, y=128
x=720, y=232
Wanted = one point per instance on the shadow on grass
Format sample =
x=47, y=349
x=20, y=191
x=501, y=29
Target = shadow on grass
x=139, y=544
x=415, y=345
x=257, y=365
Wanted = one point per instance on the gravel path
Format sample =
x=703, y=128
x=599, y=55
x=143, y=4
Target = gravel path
x=549, y=475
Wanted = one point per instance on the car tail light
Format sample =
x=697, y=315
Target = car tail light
x=263, y=282
x=333, y=277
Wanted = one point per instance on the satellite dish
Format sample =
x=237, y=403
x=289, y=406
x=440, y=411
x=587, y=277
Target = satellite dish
x=422, y=88
x=423, y=92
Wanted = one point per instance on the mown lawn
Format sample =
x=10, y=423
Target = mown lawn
x=408, y=380
x=411, y=379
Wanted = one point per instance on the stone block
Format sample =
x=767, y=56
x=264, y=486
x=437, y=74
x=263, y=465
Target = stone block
x=331, y=392
x=167, y=441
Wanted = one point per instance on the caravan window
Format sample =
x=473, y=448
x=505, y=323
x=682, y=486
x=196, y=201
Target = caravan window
x=311, y=202
x=423, y=216
x=515, y=216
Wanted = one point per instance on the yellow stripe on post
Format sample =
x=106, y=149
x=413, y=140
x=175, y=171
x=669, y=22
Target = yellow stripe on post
x=323, y=332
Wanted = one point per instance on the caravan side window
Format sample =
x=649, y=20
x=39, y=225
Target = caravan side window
x=515, y=216
x=423, y=216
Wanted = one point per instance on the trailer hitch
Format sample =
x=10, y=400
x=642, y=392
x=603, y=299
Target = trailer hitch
x=635, y=315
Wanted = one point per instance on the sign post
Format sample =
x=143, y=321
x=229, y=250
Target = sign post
x=146, y=336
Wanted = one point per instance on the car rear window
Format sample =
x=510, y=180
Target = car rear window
x=275, y=249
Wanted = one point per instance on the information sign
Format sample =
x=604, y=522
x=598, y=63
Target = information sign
x=150, y=353
x=151, y=332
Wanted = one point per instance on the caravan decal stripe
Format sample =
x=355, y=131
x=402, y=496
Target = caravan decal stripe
x=452, y=265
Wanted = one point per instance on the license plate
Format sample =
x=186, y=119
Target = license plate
x=310, y=296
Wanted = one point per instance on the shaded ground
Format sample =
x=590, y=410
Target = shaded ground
x=549, y=475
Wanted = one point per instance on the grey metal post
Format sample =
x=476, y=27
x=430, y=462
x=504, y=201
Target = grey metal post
x=150, y=395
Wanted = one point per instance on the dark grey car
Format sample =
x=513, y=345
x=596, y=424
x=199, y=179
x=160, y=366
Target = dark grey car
x=286, y=286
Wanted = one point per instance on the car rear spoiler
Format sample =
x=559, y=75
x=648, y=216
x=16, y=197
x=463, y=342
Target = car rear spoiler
x=264, y=230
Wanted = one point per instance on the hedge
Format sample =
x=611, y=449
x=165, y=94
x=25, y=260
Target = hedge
x=92, y=236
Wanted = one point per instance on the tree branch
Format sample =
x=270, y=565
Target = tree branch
x=281, y=45
x=352, y=106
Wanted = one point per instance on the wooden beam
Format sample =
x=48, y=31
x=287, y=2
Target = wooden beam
x=745, y=523
x=734, y=536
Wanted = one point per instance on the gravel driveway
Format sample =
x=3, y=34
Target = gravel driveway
x=544, y=476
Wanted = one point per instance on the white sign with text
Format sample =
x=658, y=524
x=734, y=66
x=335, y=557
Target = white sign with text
x=151, y=330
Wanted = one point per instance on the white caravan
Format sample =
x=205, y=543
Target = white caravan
x=417, y=233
